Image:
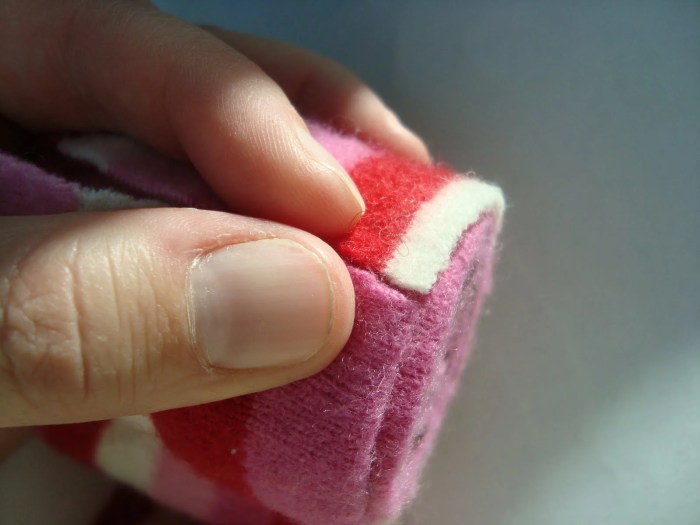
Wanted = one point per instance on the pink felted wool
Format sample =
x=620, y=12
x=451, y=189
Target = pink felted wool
x=346, y=446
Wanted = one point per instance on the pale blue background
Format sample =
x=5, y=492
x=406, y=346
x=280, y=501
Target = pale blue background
x=582, y=404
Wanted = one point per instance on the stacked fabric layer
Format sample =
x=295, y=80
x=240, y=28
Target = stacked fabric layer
x=346, y=446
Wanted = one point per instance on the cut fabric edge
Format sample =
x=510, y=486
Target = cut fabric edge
x=425, y=248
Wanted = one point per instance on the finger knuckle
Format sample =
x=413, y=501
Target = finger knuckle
x=40, y=332
x=89, y=323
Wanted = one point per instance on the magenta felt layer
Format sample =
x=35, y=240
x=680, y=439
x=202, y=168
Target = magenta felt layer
x=428, y=375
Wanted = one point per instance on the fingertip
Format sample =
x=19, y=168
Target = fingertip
x=380, y=124
x=263, y=376
x=254, y=149
x=343, y=304
x=404, y=141
x=349, y=193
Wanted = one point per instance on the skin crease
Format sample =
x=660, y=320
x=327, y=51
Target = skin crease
x=218, y=99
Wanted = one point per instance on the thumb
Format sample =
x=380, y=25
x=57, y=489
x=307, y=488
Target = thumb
x=107, y=314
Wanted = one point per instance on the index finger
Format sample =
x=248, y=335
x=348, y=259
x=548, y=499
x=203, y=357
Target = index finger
x=126, y=66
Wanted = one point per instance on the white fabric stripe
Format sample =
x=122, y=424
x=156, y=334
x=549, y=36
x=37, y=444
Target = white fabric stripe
x=425, y=248
x=105, y=199
x=129, y=449
x=100, y=150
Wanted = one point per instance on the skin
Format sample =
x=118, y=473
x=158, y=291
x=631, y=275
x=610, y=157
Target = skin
x=228, y=103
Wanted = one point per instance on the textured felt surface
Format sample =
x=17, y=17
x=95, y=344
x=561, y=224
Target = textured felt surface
x=345, y=446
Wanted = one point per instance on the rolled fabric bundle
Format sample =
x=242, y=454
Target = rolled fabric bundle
x=346, y=446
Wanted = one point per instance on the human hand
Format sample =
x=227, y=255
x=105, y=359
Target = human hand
x=118, y=313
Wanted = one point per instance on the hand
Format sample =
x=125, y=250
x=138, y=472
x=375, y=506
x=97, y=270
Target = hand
x=106, y=314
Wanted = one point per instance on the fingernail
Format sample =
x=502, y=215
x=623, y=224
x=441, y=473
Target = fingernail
x=319, y=154
x=260, y=303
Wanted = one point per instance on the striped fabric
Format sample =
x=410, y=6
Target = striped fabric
x=346, y=446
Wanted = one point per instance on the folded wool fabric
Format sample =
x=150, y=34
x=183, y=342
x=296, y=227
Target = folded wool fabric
x=346, y=446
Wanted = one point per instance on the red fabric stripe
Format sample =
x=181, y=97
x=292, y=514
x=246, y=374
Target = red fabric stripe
x=78, y=440
x=211, y=439
x=393, y=189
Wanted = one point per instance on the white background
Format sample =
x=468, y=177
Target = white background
x=582, y=403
